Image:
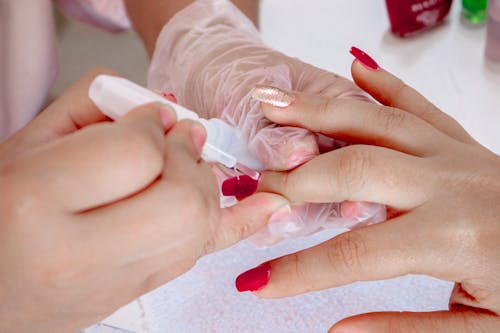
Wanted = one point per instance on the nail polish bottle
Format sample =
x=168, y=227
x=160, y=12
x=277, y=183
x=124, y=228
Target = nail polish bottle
x=474, y=11
x=493, y=31
x=410, y=16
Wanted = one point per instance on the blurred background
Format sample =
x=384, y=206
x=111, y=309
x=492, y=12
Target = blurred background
x=82, y=47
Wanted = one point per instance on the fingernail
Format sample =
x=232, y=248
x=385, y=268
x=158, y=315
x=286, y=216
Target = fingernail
x=240, y=186
x=171, y=97
x=273, y=96
x=364, y=58
x=254, y=279
x=281, y=214
x=298, y=158
x=198, y=135
x=167, y=115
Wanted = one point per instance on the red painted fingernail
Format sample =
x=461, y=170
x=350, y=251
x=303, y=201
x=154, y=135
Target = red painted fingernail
x=171, y=97
x=240, y=186
x=364, y=58
x=254, y=279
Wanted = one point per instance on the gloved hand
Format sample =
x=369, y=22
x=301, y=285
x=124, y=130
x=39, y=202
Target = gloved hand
x=211, y=56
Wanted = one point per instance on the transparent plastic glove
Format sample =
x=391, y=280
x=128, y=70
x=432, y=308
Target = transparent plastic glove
x=211, y=56
x=307, y=219
x=109, y=15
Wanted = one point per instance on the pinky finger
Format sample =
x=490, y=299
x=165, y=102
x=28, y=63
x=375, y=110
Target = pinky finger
x=392, y=91
x=416, y=322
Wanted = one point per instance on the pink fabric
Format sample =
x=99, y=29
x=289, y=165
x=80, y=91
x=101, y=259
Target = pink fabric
x=28, y=51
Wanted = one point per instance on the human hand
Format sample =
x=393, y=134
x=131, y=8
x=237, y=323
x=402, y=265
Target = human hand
x=416, y=159
x=95, y=213
x=218, y=58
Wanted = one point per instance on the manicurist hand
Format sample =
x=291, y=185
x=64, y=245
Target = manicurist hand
x=417, y=160
x=94, y=213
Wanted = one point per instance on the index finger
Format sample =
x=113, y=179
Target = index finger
x=102, y=163
x=68, y=113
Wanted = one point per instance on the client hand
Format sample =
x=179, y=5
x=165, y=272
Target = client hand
x=410, y=156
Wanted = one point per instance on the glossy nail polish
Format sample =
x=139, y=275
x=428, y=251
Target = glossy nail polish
x=273, y=96
x=240, y=186
x=254, y=279
x=410, y=16
x=364, y=58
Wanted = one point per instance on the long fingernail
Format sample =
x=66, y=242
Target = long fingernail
x=171, y=97
x=273, y=96
x=254, y=279
x=364, y=58
x=240, y=187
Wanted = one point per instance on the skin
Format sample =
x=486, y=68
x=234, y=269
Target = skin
x=95, y=213
x=149, y=17
x=419, y=161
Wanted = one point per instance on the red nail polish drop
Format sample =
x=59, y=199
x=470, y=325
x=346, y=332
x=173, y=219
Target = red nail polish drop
x=240, y=187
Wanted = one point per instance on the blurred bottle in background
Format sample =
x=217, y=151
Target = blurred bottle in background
x=474, y=11
x=410, y=16
x=493, y=31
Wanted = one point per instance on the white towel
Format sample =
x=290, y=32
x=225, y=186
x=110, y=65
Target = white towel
x=205, y=299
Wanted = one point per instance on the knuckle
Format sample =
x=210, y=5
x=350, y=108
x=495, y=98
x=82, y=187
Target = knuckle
x=142, y=145
x=407, y=325
x=301, y=271
x=209, y=246
x=325, y=112
x=390, y=118
x=197, y=205
x=345, y=252
x=352, y=165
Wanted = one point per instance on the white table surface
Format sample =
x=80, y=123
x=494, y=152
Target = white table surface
x=445, y=64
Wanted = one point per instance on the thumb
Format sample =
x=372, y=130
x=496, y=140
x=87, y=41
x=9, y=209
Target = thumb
x=416, y=322
x=249, y=215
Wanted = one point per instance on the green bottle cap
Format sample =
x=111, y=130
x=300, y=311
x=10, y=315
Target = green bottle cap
x=474, y=11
